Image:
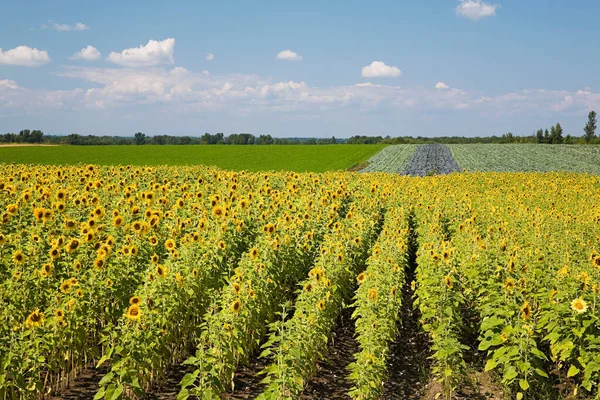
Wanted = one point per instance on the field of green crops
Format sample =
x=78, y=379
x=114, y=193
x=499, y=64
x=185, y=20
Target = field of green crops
x=251, y=158
x=527, y=157
x=494, y=157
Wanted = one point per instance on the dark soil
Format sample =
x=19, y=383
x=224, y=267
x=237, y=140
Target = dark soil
x=84, y=386
x=331, y=380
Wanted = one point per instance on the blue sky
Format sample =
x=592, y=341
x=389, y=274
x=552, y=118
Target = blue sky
x=299, y=68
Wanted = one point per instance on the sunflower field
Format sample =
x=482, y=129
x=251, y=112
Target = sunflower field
x=132, y=272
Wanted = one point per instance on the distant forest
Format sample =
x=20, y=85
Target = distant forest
x=554, y=135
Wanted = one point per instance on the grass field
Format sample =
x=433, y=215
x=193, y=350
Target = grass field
x=252, y=158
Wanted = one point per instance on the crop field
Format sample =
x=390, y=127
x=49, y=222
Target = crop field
x=527, y=157
x=420, y=160
x=223, y=284
x=300, y=158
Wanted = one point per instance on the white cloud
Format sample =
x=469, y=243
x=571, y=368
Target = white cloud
x=153, y=53
x=66, y=28
x=89, y=53
x=6, y=83
x=24, y=55
x=476, y=9
x=441, y=85
x=288, y=55
x=210, y=57
x=378, y=69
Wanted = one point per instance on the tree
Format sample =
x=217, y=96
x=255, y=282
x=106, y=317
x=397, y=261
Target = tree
x=140, y=138
x=539, y=136
x=558, y=134
x=568, y=139
x=546, y=136
x=590, y=127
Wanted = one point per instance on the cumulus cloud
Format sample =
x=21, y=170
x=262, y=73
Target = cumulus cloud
x=210, y=57
x=24, y=55
x=441, y=85
x=378, y=69
x=476, y=9
x=6, y=83
x=89, y=53
x=66, y=28
x=153, y=53
x=288, y=55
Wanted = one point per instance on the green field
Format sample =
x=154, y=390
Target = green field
x=527, y=157
x=252, y=158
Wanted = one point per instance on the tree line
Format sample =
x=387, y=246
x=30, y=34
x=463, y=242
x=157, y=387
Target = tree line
x=552, y=136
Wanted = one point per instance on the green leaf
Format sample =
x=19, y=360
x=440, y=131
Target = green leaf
x=509, y=374
x=573, y=370
x=187, y=380
x=183, y=394
x=523, y=384
x=102, y=360
x=541, y=373
x=519, y=396
x=107, y=378
x=100, y=394
x=490, y=364
x=117, y=393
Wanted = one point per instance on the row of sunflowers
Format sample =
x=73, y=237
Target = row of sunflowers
x=133, y=271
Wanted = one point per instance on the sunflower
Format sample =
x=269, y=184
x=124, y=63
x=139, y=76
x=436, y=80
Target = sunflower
x=99, y=263
x=357, y=241
x=72, y=246
x=252, y=293
x=134, y=312
x=316, y=273
x=393, y=291
x=38, y=213
x=2, y=239
x=135, y=300
x=109, y=283
x=12, y=209
x=117, y=221
x=236, y=306
x=526, y=310
x=162, y=271
x=137, y=227
x=221, y=245
x=18, y=257
x=218, y=211
x=579, y=305
x=236, y=288
x=179, y=279
x=321, y=305
x=54, y=253
x=35, y=319
x=373, y=295
x=361, y=278
x=46, y=270
x=79, y=293
x=70, y=224
x=170, y=244
x=509, y=284
x=89, y=236
x=269, y=228
x=254, y=253
x=65, y=286
x=448, y=281
x=195, y=273
x=59, y=313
